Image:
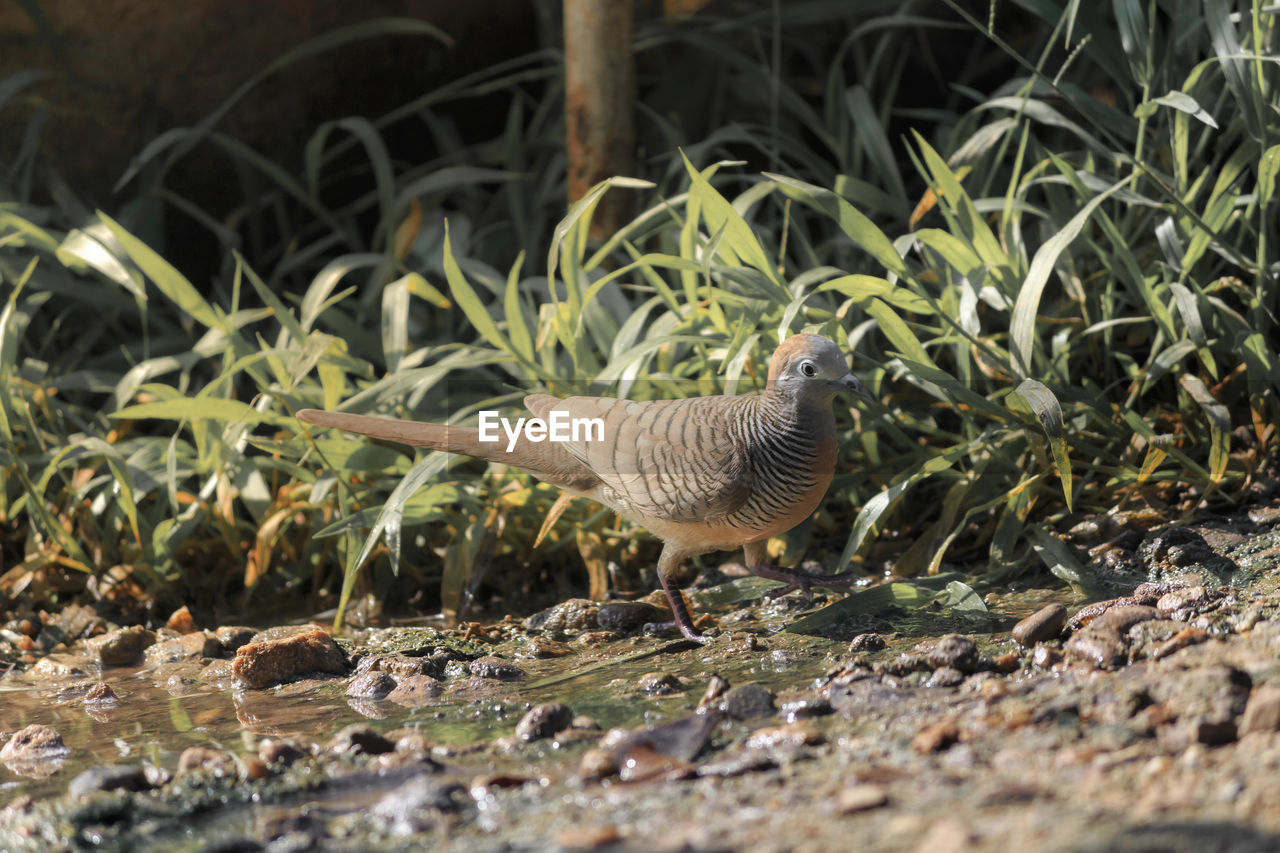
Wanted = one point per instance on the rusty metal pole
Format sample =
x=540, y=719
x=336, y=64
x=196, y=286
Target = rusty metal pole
x=600, y=96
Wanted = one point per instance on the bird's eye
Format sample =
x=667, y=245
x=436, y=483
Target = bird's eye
x=808, y=368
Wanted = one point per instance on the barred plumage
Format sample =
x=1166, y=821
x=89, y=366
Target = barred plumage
x=702, y=474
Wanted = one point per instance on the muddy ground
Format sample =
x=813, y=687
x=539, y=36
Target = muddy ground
x=1141, y=712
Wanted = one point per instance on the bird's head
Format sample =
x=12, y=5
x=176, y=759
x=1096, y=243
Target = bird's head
x=812, y=367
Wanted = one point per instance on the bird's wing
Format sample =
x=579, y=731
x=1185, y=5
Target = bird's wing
x=667, y=460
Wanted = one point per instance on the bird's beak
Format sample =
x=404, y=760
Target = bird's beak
x=854, y=385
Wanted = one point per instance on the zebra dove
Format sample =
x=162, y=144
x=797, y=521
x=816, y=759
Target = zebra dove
x=702, y=474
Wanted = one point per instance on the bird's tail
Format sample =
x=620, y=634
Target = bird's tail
x=452, y=439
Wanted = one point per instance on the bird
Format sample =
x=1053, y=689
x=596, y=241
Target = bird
x=702, y=474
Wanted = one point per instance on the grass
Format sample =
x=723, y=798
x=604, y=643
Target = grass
x=1063, y=291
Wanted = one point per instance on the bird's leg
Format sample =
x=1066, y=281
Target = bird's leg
x=668, y=562
x=757, y=559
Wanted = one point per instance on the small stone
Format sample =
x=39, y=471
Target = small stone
x=861, y=798
x=576, y=614
x=955, y=651
x=359, y=738
x=628, y=617
x=659, y=684
x=598, y=763
x=588, y=837
x=110, y=777
x=542, y=647
x=945, y=677
x=262, y=664
x=866, y=643
x=1182, y=604
x=122, y=646
x=100, y=694
x=716, y=687
x=1045, y=624
x=544, y=721
x=802, y=733
x=278, y=751
x=1007, y=662
x=1045, y=657
x=34, y=743
x=195, y=646
x=936, y=737
x=181, y=621
x=800, y=709
x=206, y=760
x=1262, y=714
x=414, y=691
x=371, y=685
x=232, y=637
x=60, y=667
x=585, y=723
x=748, y=700
x=1265, y=515
x=495, y=668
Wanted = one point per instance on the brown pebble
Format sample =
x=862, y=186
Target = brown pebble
x=716, y=687
x=1183, y=603
x=936, y=737
x=275, y=751
x=588, y=837
x=213, y=761
x=1182, y=639
x=1007, y=662
x=100, y=694
x=659, y=684
x=181, y=621
x=800, y=733
x=598, y=763
x=861, y=798
x=955, y=651
x=866, y=643
x=1045, y=657
x=1045, y=624
x=544, y=721
x=1262, y=714
x=255, y=768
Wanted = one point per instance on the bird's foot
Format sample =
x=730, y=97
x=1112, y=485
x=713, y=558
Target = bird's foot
x=687, y=631
x=797, y=580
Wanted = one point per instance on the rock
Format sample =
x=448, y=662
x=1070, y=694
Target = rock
x=747, y=701
x=955, y=651
x=1045, y=624
x=101, y=694
x=277, y=751
x=1265, y=515
x=945, y=677
x=543, y=721
x=716, y=687
x=371, y=685
x=181, y=621
x=359, y=738
x=861, y=798
x=60, y=667
x=1182, y=604
x=682, y=739
x=414, y=691
x=542, y=647
x=202, y=759
x=628, y=617
x=417, y=805
x=576, y=614
x=659, y=684
x=1045, y=657
x=1104, y=643
x=1262, y=713
x=936, y=737
x=122, y=646
x=866, y=643
x=800, y=709
x=195, y=646
x=110, y=777
x=232, y=637
x=598, y=763
x=495, y=668
x=264, y=663
x=35, y=743
x=802, y=733
x=401, y=666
